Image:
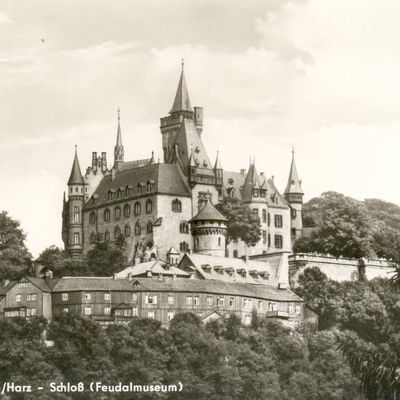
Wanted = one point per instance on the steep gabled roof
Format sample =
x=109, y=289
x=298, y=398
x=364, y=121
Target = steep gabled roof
x=293, y=185
x=209, y=213
x=182, y=101
x=76, y=177
x=251, y=182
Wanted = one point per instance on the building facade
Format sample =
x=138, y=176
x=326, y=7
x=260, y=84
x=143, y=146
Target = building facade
x=150, y=203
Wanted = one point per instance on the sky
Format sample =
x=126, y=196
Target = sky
x=319, y=75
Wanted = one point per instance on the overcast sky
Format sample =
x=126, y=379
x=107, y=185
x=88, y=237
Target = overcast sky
x=322, y=75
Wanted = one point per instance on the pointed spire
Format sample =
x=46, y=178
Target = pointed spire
x=182, y=101
x=217, y=164
x=294, y=183
x=119, y=135
x=118, y=148
x=251, y=182
x=76, y=177
x=192, y=161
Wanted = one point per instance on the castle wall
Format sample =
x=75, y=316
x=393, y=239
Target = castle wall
x=338, y=269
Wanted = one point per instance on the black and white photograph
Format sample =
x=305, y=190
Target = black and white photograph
x=198, y=200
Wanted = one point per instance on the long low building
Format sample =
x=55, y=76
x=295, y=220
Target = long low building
x=110, y=300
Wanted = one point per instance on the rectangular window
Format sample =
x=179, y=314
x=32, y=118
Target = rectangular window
x=77, y=215
x=278, y=241
x=31, y=312
x=134, y=296
x=64, y=296
x=77, y=238
x=170, y=315
x=278, y=221
x=209, y=301
x=107, y=296
x=221, y=301
x=189, y=300
x=107, y=310
x=298, y=310
x=269, y=240
x=150, y=299
x=88, y=310
x=23, y=284
x=255, y=211
x=294, y=213
x=127, y=313
x=151, y=314
x=269, y=219
x=291, y=309
x=264, y=236
x=196, y=300
x=134, y=311
x=65, y=310
x=170, y=300
x=31, y=297
x=87, y=296
x=18, y=298
x=231, y=302
x=264, y=215
x=260, y=305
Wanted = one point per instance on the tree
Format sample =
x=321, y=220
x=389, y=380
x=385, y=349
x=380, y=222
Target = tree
x=242, y=223
x=15, y=258
x=50, y=257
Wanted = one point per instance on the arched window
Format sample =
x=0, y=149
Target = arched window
x=148, y=186
x=127, y=210
x=183, y=246
x=184, y=227
x=92, y=217
x=197, y=242
x=117, y=212
x=127, y=231
x=140, y=188
x=235, y=253
x=138, y=228
x=110, y=195
x=119, y=193
x=117, y=232
x=149, y=227
x=92, y=238
x=219, y=241
x=107, y=236
x=107, y=215
x=176, y=205
x=149, y=206
x=137, y=209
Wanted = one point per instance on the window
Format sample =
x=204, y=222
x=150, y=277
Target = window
x=127, y=231
x=18, y=298
x=107, y=296
x=298, y=310
x=271, y=306
x=117, y=212
x=140, y=188
x=247, y=319
x=197, y=242
x=231, y=302
x=119, y=193
x=183, y=246
x=255, y=211
x=269, y=219
x=170, y=315
x=31, y=297
x=134, y=311
x=278, y=221
x=269, y=240
x=260, y=305
x=151, y=314
x=23, y=284
x=127, y=210
x=278, y=241
x=235, y=253
x=137, y=208
x=176, y=206
x=149, y=206
x=127, y=313
x=219, y=241
x=196, y=300
x=92, y=238
x=149, y=227
x=77, y=214
x=77, y=238
x=170, y=300
x=107, y=310
x=264, y=215
x=209, y=301
x=65, y=310
x=31, y=312
x=64, y=296
x=255, y=192
x=88, y=310
x=87, y=296
x=138, y=228
x=107, y=215
x=117, y=232
x=293, y=232
x=220, y=301
x=107, y=236
x=92, y=218
x=294, y=213
x=134, y=296
x=189, y=300
x=110, y=195
x=291, y=309
x=150, y=299
x=184, y=227
x=264, y=236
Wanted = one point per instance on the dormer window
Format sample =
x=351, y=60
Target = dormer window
x=110, y=195
x=255, y=193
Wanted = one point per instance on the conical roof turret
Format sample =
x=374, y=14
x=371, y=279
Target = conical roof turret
x=76, y=177
x=294, y=183
x=209, y=213
x=182, y=101
x=217, y=164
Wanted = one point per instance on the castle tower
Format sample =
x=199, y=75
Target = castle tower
x=118, y=148
x=73, y=210
x=209, y=231
x=294, y=196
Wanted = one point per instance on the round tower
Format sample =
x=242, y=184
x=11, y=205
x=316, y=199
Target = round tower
x=76, y=188
x=209, y=231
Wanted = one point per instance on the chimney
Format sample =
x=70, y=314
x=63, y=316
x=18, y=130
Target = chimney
x=94, y=159
x=103, y=161
x=129, y=276
x=198, y=119
x=48, y=275
x=242, y=172
x=174, y=277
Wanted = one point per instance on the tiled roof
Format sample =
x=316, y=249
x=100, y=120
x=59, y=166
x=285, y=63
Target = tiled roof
x=167, y=179
x=293, y=185
x=182, y=101
x=76, y=177
x=75, y=283
x=209, y=213
x=228, y=269
x=155, y=266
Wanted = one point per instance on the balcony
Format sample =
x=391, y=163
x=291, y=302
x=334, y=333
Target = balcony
x=277, y=314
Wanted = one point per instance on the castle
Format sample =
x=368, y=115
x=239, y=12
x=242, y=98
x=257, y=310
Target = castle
x=152, y=204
